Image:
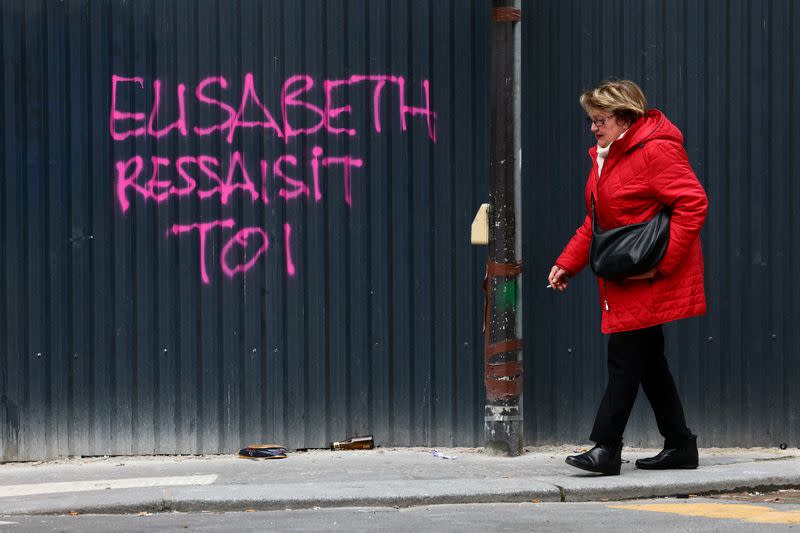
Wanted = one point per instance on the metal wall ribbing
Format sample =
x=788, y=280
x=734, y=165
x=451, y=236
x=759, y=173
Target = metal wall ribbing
x=727, y=74
x=112, y=341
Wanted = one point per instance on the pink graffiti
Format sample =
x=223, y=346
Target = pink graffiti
x=230, y=186
x=264, y=172
x=190, y=181
x=240, y=240
x=346, y=163
x=248, y=94
x=179, y=124
x=289, y=99
x=287, y=233
x=203, y=228
x=155, y=183
x=117, y=115
x=297, y=94
x=405, y=109
x=332, y=112
x=300, y=188
x=201, y=96
x=125, y=180
x=203, y=161
x=376, y=95
x=307, y=107
x=317, y=153
x=187, y=174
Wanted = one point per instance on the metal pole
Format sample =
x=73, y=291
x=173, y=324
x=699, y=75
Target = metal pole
x=503, y=348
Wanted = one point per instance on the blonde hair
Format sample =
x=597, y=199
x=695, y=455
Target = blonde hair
x=623, y=98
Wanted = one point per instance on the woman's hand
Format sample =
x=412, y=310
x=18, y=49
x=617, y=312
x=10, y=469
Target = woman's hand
x=650, y=274
x=558, y=278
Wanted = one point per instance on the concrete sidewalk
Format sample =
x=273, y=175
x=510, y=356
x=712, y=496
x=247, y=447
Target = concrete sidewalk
x=381, y=477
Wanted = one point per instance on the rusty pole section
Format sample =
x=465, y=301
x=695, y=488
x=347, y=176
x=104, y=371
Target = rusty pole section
x=503, y=345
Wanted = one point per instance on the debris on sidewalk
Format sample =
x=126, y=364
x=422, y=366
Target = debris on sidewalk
x=356, y=443
x=263, y=451
x=437, y=453
x=783, y=496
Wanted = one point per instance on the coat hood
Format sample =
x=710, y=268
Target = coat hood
x=653, y=126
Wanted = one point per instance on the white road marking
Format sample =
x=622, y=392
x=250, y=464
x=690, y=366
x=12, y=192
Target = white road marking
x=30, y=489
x=6, y=523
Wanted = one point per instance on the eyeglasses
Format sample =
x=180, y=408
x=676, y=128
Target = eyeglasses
x=599, y=122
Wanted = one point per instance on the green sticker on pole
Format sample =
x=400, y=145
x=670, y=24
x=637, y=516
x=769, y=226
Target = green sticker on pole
x=505, y=295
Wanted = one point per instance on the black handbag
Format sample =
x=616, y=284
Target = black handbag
x=628, y=250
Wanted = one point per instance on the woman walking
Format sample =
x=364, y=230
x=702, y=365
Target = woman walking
x=639, y=167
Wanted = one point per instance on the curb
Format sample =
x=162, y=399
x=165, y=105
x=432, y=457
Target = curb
x=288, y=496
x=484, y=486
x=236, y=498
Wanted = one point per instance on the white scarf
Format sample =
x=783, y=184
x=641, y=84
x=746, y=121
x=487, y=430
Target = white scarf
x=602, y=153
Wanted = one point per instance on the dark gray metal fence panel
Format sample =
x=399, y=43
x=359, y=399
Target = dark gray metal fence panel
x=726, y=72
x=112, y=340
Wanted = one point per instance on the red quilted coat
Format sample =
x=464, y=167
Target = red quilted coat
x=644, y=170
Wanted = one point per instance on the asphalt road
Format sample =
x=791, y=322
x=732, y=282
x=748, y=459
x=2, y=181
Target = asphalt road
x=654, y=516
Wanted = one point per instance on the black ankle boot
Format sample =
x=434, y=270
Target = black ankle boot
x=684, y=457
x=602, y=459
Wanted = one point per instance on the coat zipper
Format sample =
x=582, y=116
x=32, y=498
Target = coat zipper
x=596, y=189
x=596, y=169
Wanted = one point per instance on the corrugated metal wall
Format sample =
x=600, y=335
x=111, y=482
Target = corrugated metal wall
x=112, y=343
x=363, y=318
x=728, y=74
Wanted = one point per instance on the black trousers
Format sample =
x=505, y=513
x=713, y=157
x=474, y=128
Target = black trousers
x=634, y=358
